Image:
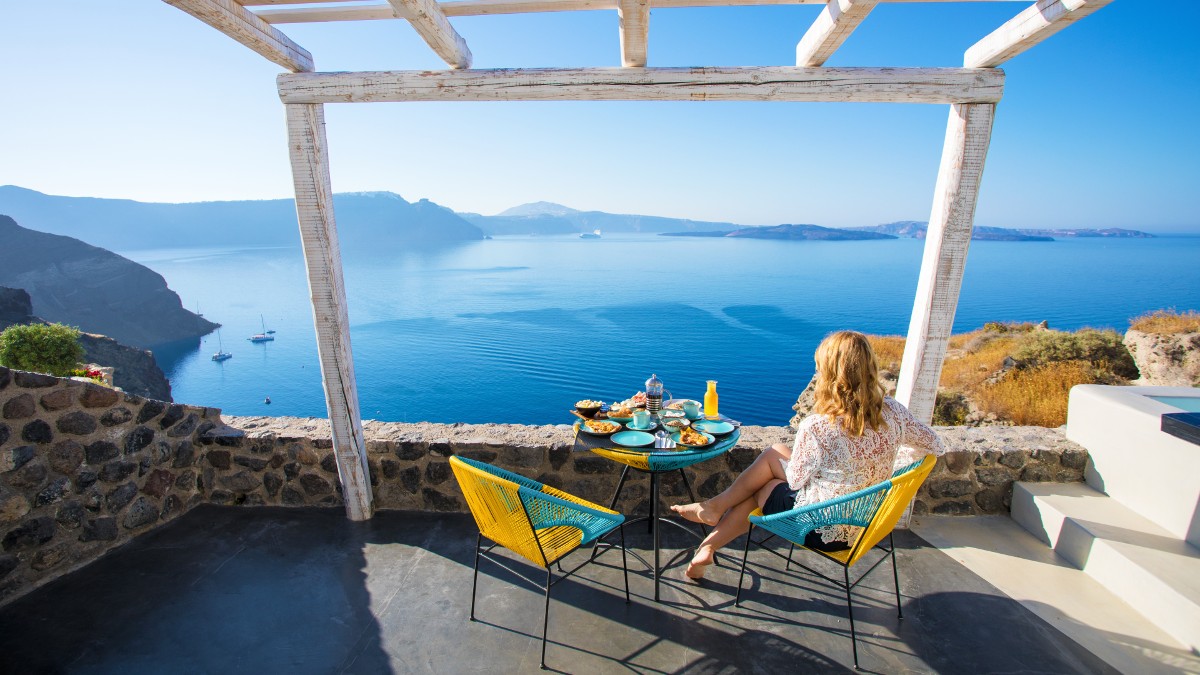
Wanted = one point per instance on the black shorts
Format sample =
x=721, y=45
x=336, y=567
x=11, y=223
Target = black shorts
x=783, y=498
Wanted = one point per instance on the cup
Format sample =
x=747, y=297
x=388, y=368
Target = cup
x=641, y=419
x=691, y=409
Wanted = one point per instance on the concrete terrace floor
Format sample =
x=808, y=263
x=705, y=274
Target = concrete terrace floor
x=267, y=590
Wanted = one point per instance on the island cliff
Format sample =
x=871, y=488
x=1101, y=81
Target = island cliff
x=93, y=289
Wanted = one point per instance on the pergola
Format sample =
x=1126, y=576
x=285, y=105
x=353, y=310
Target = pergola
x=971, y=91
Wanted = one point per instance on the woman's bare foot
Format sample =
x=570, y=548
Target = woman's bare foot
x=697, y=513
x=699, y=564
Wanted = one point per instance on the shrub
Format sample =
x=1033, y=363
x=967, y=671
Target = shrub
x=1036, y=396
x=41, y=348
x=1167, y=322
x=889, y=350
x=951, y=409
x=1104, y=349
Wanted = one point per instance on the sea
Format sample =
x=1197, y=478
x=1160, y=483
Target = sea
x=515, y=329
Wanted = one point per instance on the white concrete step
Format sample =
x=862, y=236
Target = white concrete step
x=1132, y=460
x=998, y=550
x=1150, y=569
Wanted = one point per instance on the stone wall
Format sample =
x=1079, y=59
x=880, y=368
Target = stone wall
x=410, y=464
x=84, y=468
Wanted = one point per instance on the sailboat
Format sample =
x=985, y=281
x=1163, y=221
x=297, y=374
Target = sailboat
x=221, y=354
x=265, y=335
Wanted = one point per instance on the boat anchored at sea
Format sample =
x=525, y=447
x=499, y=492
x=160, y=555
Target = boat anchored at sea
x=221, y=354
x=265, y=335
x=594, y=234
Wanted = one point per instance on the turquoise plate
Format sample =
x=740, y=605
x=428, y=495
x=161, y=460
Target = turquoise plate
x=633, y=439
x=622, y=420
x=715, y=427
x=675, y=437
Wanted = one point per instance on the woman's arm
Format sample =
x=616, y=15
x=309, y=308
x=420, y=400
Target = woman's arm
x=918, y=435
x=806, y=457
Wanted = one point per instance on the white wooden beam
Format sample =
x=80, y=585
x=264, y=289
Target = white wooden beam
x=433, y=26
x=382, y=10
x=773, y=83
x=833, y=25
x=634, y=16
x=242, y=25
x=323, y=260
x=1036, y=23
x=968, y=134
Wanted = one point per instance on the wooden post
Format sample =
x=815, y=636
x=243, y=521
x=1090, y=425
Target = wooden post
x=951, y=222
x=323, y=260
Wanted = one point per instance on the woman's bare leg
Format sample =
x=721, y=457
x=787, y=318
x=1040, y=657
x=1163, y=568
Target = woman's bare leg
x=765, y=468
x=733, y=524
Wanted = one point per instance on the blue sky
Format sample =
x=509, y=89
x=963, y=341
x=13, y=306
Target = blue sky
x=1096, y=128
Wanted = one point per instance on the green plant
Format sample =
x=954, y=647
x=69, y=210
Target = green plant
x=42, y=348
x=1104, y=349
x=951, y=409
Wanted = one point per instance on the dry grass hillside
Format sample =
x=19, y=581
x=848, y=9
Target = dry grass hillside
x=1023, y=373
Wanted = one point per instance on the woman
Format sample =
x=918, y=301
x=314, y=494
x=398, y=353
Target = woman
x=849, y=443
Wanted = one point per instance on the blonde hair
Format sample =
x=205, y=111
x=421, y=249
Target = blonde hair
x=848, y=388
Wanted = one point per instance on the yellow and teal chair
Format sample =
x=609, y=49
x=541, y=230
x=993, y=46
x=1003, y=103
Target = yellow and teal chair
x=876, y=509
x=536, y=522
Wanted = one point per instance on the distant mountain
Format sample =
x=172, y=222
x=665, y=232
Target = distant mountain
x=549, y=218
x=369, y=221
x=789, y=232
x=538, y=209
x=96, y=290
x=915, y=229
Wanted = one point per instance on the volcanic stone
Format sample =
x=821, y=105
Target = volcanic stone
x=390, y=468
x=410, y=478
x=65, y=456
x=219, y=458
x=150, y=411
x=30, y=475
x=437, y=472
x=115, y=416
x=16, y=458
x=19, y=407
x=242, y=481
x=329, y=463
x=5, y=432
x=272, y=482
x=137, y=439
x=95, y=396
x=185, y=455
x=143, y=512
x=37, y=431
x=158, y=482
x=30, y=534
x=120, y=497
x=76, y=423
x=292, y=497
x=117, y=470
x=315, y=485
x=171, y=505
x=174, y=414
x=13, y=507
x=100, y=452
x=70, y=514
x=49, y=557
x=441, y=502
x=33, y=380
x=8, y=563
x=184, y=428
x=52, y=492
x=291, y=470
x=593, y=464
x=99, y=529
x=58, y=400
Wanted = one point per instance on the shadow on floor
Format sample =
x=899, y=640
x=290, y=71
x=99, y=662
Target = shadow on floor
x=265, y=590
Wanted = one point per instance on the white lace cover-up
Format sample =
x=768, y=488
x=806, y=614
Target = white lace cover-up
x=827, y=462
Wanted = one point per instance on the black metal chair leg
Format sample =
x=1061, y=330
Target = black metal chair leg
x=791, y=550
x=475, y=577
x=546, y=617
x=612, y=503
x=654, y=528
x=850, y=612
x=737, y=600
x=624, y=564
x=896, y=576
x=653, y=505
